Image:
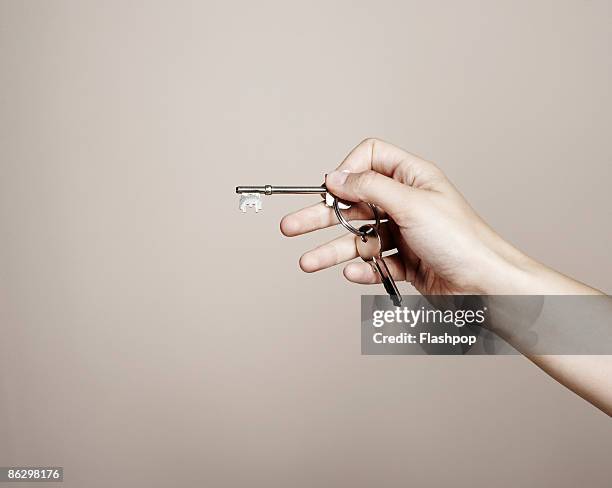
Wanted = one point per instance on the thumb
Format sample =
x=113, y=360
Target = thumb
x=371, y=187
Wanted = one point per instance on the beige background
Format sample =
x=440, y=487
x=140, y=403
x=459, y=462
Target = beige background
x=153, y=335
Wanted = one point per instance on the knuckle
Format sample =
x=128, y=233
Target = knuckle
x=369, y=141
x=436, y=170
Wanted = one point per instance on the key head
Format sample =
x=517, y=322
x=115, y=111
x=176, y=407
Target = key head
x=368, y=245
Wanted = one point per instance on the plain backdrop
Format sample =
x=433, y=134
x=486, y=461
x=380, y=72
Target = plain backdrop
x=153, y=335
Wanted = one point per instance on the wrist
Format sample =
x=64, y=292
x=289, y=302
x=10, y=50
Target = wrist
x=522, y=275
x=506, y=270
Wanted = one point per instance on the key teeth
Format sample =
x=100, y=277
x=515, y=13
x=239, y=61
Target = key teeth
x=252, y=200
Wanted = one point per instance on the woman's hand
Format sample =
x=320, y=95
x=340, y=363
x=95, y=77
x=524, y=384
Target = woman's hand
x=443, y=246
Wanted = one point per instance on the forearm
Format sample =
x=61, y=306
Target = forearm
x=589, y=376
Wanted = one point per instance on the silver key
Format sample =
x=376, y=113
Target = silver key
x=369, y=247
x=250, y=196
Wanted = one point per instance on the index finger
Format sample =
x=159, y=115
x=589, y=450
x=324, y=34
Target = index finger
x=389, y=160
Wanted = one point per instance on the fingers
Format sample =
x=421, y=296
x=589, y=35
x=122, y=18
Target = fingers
x=374, y=154
x=372, y=160
x=389, y=160
x=339, y=251
x=364, y=274
x=369, y=186
x=320, y=216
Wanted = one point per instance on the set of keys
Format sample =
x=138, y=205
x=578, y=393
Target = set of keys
x=367, y=237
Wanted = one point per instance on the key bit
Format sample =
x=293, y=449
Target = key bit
x=252, y=200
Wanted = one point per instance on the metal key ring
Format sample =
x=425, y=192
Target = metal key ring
x=345, y=223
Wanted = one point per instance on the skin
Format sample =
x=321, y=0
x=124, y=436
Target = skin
x=442, y=246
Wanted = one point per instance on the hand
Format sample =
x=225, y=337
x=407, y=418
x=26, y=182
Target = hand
x=443, y=246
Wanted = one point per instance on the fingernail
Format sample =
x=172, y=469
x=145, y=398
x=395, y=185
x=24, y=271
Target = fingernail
x=337, y=178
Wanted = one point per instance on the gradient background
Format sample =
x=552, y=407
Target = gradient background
x=153, y=335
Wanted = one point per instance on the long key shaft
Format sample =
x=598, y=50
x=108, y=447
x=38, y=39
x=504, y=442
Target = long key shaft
x=279, y=190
